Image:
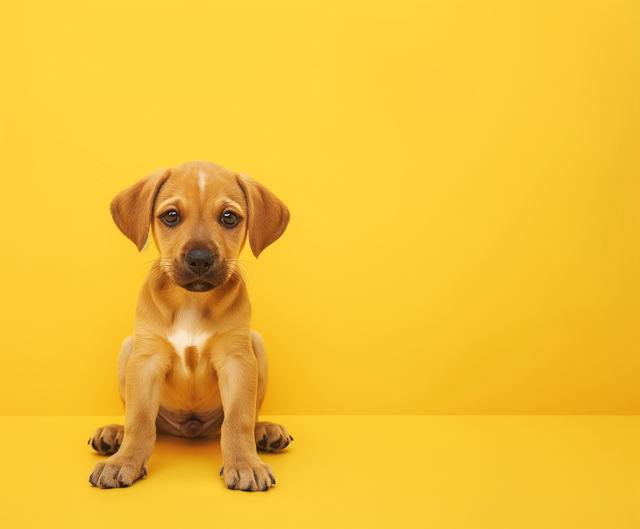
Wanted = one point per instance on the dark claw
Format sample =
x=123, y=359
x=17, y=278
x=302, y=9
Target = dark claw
x=105, y=447
x=89, y=440
x=276, y=444
x=93, y=444
x=263, y=442
x=286, y=444
x=222, y=471
x=291, y=438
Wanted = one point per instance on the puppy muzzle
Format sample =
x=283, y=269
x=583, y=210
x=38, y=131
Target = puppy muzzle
x=200, y=265
x=199, y=261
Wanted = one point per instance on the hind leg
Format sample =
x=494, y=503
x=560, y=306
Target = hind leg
x=107, y=439
x=270, y=437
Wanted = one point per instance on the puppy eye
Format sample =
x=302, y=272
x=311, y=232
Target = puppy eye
x=229, y=219
x=171, y=217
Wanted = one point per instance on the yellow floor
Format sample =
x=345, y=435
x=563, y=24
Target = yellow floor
x=367, y=471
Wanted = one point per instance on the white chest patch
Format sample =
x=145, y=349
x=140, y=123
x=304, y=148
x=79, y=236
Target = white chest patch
x=186, y=331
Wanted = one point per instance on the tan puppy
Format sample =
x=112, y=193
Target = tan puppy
x=193, y=366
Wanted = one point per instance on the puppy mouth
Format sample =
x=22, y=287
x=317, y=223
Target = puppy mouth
x=199, y=285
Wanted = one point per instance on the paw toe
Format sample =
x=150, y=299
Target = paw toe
x=249, y=476
x=117, y=472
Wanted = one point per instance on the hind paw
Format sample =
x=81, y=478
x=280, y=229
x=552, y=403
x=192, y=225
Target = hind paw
x=271, y=437
x=107, y=440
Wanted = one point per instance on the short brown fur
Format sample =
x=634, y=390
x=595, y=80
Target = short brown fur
x=193, y=360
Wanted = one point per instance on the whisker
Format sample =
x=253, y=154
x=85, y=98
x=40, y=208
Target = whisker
x=161, y=262
x=234, y=273
x=236, y=268
x=241, y=265
x=161, y=269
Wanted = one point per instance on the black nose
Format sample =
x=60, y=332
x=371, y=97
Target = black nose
x=199, y=261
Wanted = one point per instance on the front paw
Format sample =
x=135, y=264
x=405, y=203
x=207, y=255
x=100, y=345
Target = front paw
x=249, y=474
x=117, y=471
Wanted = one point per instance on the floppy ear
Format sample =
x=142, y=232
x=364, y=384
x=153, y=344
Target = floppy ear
x=268, y=216
x=132, y=208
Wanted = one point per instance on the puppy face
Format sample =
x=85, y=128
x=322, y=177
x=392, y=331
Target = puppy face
x=200, y=225
x=200, y=215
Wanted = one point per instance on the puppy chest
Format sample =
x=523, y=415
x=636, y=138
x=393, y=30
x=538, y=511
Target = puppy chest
x=188, y=338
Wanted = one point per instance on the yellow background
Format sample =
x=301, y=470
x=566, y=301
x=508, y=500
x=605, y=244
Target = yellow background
x=442, y=472
x=463, y=179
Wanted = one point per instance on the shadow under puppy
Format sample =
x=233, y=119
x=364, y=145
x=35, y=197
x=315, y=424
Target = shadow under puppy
x=193, y=365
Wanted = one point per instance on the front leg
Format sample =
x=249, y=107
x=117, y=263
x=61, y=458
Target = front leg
x=238, y=381
x=145, y=373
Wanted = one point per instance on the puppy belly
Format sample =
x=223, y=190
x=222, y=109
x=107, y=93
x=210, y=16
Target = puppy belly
x=191, y=424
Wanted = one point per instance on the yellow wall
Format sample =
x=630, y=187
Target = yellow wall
x=463, y=179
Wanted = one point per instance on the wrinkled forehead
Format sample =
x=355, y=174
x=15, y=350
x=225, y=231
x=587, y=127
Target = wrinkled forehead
x=201, y=184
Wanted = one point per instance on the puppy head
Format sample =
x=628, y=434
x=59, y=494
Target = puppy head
x=200, y=215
